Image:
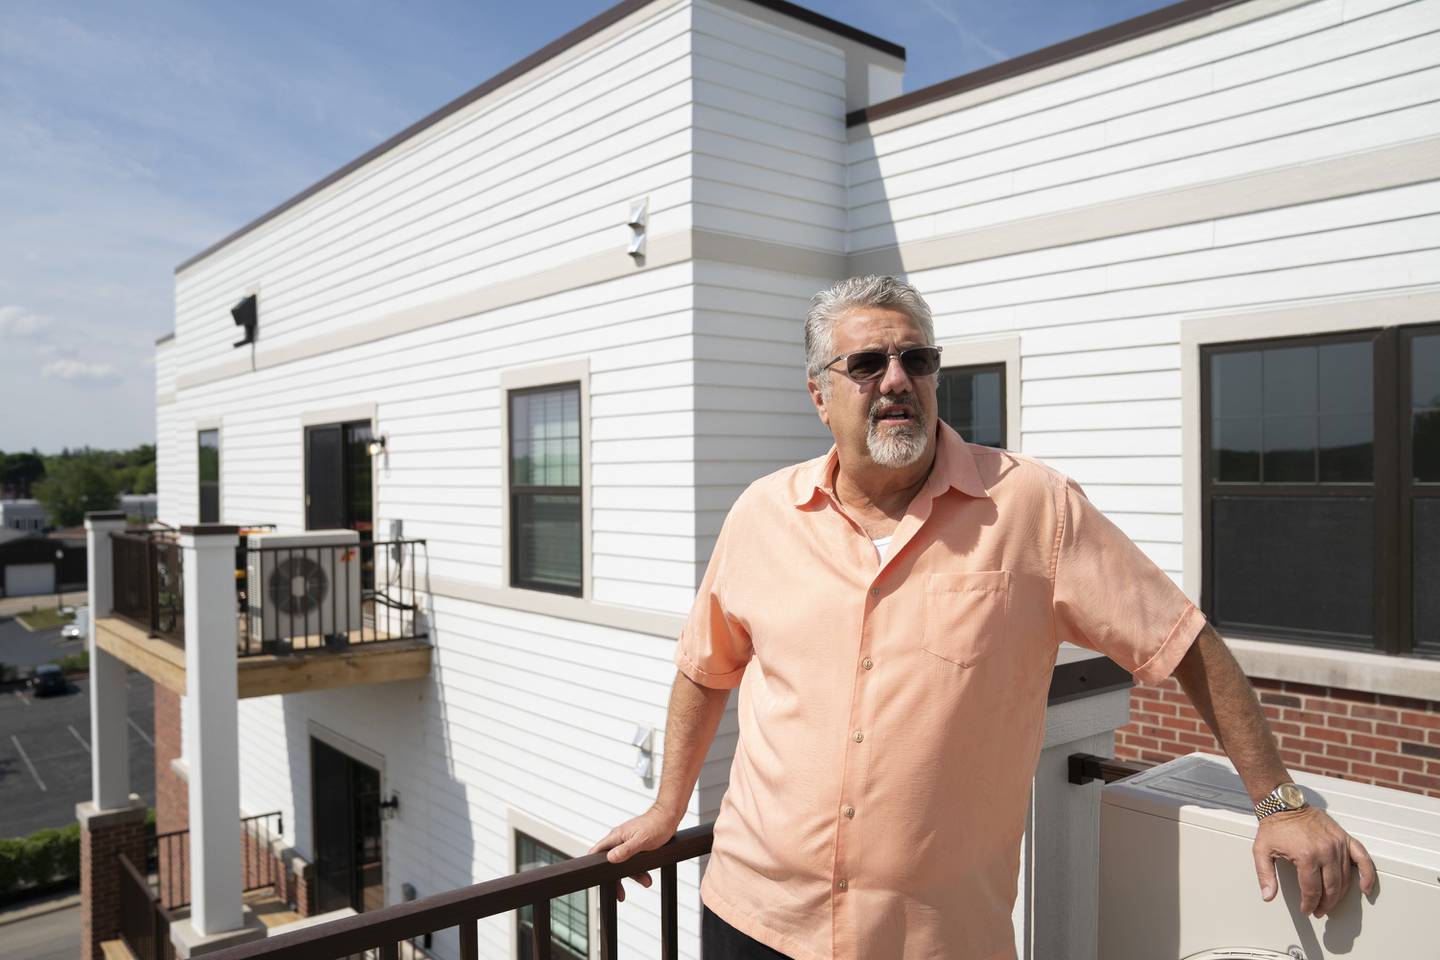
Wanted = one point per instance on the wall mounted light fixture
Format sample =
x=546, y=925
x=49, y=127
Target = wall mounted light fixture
x=639, y=219
x=376, y=446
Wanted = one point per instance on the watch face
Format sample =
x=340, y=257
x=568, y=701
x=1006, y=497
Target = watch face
x=1291, y=796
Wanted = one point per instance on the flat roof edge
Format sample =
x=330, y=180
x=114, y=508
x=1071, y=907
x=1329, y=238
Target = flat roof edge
x=516, y=70
x=1146, y=23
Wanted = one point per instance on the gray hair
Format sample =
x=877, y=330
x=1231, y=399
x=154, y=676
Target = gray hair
x=827, y=306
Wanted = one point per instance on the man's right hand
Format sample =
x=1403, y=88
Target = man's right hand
x=651, y=829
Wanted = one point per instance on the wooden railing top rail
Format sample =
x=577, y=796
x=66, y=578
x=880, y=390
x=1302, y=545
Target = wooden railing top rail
x=383, y=929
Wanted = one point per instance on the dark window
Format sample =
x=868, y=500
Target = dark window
x=209, y=451
x=1301, y=492
x=545, y=507
x=972, y=400
x=569, y=915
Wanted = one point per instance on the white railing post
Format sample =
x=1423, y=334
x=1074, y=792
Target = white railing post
x=217, y=912
x=109, y=694
x=1058, y=904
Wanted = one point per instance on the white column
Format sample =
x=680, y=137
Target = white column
x=211, y=728
x=109, y=694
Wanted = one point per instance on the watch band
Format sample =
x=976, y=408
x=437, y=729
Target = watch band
x=1277, y=800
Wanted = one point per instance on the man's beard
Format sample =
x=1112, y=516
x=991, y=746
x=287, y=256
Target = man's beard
x=896, y=446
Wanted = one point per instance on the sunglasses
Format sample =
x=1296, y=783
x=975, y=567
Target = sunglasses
x=867, y=365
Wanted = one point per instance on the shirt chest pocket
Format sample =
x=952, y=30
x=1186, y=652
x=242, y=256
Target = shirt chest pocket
x=966, y=615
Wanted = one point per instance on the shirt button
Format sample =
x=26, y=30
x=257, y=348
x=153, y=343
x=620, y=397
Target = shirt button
x=843, y=884
x=857, y=736
x=867, y=663
x=848, y=810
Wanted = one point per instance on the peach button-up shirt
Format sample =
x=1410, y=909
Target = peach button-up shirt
x=891, y=712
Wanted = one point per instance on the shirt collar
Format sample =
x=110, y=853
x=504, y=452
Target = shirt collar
x=954, y=467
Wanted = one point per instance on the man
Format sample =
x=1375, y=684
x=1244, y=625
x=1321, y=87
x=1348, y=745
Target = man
x=891, y=613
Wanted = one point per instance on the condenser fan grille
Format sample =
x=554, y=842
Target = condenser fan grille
x=298, y=585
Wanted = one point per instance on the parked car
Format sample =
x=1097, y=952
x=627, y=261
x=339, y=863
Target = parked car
x=47, y=680
x=71, y=631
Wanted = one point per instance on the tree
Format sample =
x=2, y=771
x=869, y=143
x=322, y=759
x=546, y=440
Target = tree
x=19, y=472
x=73, y=487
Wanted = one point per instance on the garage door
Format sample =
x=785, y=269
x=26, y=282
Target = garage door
x=23, y=579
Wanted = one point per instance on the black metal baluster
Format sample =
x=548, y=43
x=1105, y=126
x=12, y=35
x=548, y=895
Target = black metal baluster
x=540, y=931
x=469, y=941
x=609, y=933
x=390, y=951
x=669, y=931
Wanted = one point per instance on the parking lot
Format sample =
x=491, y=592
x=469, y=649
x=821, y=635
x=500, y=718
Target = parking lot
x=45, y=754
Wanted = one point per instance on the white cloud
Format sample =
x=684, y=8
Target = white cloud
x=78, y=371
x=19, y=322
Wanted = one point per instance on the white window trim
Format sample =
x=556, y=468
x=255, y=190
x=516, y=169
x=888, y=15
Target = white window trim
x=1301, y=663
x=518, y=822
x=1006, y=350
x=523, y=378
x=200, y=426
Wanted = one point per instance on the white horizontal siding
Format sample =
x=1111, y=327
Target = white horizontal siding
x=518, y=182
x=1285, y=89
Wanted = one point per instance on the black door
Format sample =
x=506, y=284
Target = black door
x=324, y=478
x=348, y=851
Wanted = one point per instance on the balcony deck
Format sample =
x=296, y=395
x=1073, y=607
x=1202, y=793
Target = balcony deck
x=308, y=666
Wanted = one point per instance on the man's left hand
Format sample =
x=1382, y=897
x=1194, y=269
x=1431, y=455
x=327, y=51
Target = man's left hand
x=1321, y=852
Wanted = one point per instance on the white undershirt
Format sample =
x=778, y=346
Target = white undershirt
x=881, y=545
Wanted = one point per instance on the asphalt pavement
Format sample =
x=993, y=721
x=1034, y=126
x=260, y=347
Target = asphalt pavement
x=20, y=647
x=45, y=753
x=42, y=935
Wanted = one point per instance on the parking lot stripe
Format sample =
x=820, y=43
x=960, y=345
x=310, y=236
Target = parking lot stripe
x=38, y=782
x=23, y=699
x=78, y=737
x=136, y=727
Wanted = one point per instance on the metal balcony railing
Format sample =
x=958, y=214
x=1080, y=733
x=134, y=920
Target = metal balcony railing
x=149, y=583
x=169, y=858
x=300, y=598
x=144, y=922
x=381, y=933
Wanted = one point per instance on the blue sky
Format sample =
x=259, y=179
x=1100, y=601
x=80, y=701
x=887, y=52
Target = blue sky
x=134, y=134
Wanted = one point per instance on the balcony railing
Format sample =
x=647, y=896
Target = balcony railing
x=297, y=598
x=381, y=932
x=144, y=922
x=149, y=585
x=169, y=857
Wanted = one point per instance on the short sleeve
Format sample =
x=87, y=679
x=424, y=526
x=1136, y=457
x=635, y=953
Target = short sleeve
x=1111, y=598
x=714, y=646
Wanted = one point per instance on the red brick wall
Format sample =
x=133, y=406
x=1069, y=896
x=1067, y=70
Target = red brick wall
x=100, y=878
x=172, y=794
x=1368, y=737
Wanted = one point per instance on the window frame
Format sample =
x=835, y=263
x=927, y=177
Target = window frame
x=989, y=352
x=1408, y=490
x=1388, y=635
x=514, y=491
x=1000, y=367
x=547, y=376
x=519, y=836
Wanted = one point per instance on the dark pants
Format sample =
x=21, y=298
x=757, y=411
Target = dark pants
x=720, y=941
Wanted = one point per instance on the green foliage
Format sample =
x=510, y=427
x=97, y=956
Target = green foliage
x=20, y=471
x=74, y=662
x=129, y=471
x=44, y=857
x=73, y=487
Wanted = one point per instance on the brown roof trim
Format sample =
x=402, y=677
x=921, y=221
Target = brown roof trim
x=552, y=49
x=1109, y=36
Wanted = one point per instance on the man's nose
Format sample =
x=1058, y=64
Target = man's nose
x=895, y=380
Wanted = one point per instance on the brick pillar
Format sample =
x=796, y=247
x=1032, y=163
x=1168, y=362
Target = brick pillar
x=103, y=835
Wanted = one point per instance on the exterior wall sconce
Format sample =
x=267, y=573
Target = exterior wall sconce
x=639, y=216
x=376, y=447
x=644, y=741
x=390, y=809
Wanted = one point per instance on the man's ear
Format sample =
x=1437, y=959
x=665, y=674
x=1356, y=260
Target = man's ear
x=818, y=398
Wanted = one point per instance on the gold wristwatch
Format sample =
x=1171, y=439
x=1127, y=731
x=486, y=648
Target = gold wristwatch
x=1287, y=796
